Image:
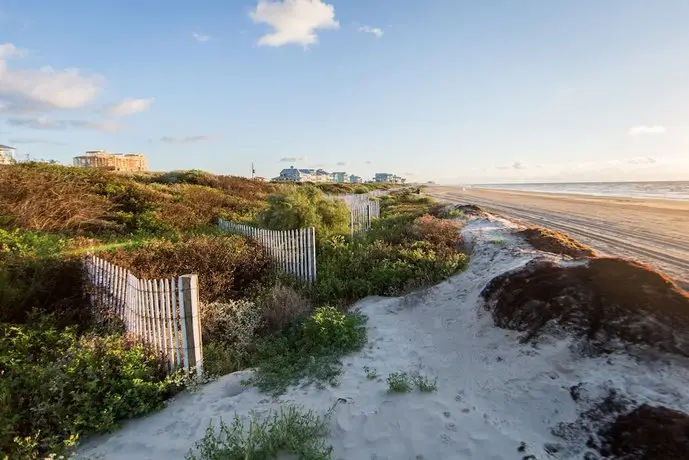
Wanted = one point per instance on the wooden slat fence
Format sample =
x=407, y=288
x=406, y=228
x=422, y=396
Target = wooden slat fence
x=162, y=313
x=362, y=209
x=358, y=199
x=294, y=251
x=360, y=217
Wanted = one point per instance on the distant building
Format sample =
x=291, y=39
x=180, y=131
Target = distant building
x=7, y=155
x=355, y=179
x=387, y=178
x=293, y=174
x=340, y=177
x=125, y=162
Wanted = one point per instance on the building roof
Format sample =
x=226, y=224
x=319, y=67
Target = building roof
x=6, y=147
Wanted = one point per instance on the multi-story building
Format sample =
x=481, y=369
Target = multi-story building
x=293, y=174
x=355, y=179
x=126, y=162
x=7, y=155
x=387, y=178
x=340, y=177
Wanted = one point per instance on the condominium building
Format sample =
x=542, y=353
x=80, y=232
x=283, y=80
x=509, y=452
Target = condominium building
x=340, y=177
x=125, y=162
x=387, y=178
x=7, y=155
x=293, y=174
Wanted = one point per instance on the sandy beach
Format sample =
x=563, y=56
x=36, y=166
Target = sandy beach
x=652, y=231
x=497, y=398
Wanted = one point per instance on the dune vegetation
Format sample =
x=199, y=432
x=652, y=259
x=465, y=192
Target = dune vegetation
x=85, y=378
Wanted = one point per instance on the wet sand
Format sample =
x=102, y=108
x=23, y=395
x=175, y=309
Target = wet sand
x=655, y=232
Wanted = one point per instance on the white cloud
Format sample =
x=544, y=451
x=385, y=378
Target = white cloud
x=518, y=165
x=130, y=107
x=109, y=126
x=9, y=50
x=67, y=89
x=636, y=130
x=46, y=123
x=292, y=159
x=41, y=122
x=377, y=31
x=642, y=161
x=201, y=38
x=188, y=139
x=33, y=140
x=294, y=21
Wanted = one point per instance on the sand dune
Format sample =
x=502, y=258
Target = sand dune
x=655, y=232
x=493, y=392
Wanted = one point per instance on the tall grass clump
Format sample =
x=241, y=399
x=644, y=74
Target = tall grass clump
x=291, y=430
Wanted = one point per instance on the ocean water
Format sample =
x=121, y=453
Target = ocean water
x=671, y=190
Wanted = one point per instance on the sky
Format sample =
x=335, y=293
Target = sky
x=452, y=91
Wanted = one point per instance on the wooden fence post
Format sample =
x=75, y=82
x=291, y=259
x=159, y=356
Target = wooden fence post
x=192, y=320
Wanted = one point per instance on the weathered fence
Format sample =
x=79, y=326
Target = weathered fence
x=356, y=200
x=294, y=251
x=360, y=217
x=162, y=313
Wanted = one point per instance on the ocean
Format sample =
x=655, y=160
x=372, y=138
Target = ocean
x=671, y=190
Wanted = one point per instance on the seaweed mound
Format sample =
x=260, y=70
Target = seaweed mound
x=547, y=240
x=647, y=433
x=601, y=300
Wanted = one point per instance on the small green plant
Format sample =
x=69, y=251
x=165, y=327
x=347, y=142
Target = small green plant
x=371, y=374
x=289, y=431
x=399, y=382
x=498, y=241
x=309, y=349
x=424, y=384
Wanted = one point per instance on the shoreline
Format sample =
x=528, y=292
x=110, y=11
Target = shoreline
x=584, y=194
x=651, y=231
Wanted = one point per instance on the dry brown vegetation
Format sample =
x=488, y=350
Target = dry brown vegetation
x=228, y=266
x=602, y=300
x=281, y=305
x=81, y=201
x=555, y=242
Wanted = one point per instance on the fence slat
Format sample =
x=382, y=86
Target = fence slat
x=175, y=323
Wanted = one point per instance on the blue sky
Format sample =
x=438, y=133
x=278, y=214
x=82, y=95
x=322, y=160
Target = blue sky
x=446, y=90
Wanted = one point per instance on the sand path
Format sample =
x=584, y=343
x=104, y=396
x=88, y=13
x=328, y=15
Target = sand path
x=655, y=232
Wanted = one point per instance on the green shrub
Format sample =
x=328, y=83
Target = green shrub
x=290, y=431
x=399, y=382
x=32, y=286
x=30, y=244
x=424, y=384
x=303, y=207
x=310, y=349
x=352, y=270
x=56, y=386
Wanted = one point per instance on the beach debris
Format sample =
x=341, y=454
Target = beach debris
x=648, y=432
x=547, y=240
x=603, y=302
